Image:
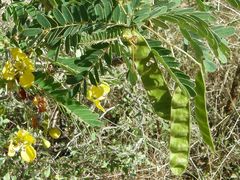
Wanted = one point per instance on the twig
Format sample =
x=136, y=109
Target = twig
x=230, y=133
x=4, y=97
x=107, y=112
x=234, y=91
x=233, y=10
x=220, y=166
x=121, y=174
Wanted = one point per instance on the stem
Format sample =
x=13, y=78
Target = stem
x=176, y=47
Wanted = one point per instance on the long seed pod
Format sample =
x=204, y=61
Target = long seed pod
x=155, y=86
x=151, y=75
x=179, y=132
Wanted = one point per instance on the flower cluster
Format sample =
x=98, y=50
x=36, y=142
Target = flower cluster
x=23, y=141
x=20, y=68
x=98, y=93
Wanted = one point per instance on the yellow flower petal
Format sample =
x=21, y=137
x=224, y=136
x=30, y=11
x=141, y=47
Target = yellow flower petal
x=8, y=71
x=28, y=64
x=101, y=90
x=19, y=65
x=97, y=92
x=26, y=79
x=22, y=62
x=89, y=95
x=14, y=52
x=28, y=153
x=106, y=87
x=55, y=133
x=11, y=150
x=17, y=53
x=98, y=105
x=20, y=134
x=46, y=143
x=25, y=137
x=29, y=139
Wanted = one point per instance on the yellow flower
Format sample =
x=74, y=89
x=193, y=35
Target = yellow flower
x=17, y=53
x=8, y=71
x=21, y=65
x=25, y=137
x=22, y=62
x=98, y=93
x=23, y=140
x=26, y=80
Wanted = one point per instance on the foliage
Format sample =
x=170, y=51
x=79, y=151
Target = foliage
x=74, y=44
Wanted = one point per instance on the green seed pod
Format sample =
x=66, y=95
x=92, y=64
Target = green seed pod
x=179, y=132
x=151, y=75
x=55, y=133
x=155, y=86
x=139, y=52
x=137, y=44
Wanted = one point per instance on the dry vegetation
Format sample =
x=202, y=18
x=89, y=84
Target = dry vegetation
x=136, y=141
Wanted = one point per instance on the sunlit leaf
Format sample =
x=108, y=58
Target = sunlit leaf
x=31, y=31
x=201, y=110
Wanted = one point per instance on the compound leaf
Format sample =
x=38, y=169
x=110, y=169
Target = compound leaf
x=54, y=89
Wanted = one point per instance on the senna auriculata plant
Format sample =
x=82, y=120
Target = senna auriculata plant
x=83, y=39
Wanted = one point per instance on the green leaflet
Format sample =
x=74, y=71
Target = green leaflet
x=178, y=76
x=201, y=110
x=223, y=31
x=179, y=132
x=31, y=31
x=80, y=111
x=59, y=16
x=54, y=89
x=43, y=21
x=201, y=5
x=67, y=14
